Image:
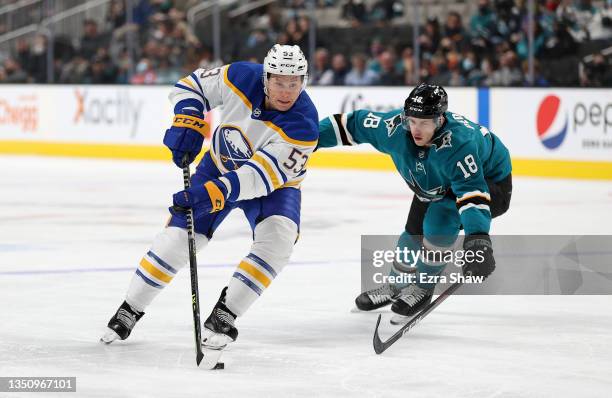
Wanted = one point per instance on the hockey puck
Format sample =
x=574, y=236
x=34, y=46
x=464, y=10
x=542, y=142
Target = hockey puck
x=219, y=365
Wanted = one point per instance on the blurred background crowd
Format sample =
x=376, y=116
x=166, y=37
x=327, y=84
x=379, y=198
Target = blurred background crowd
x=348, y=42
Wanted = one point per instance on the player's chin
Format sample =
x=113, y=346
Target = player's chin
x=284, y=106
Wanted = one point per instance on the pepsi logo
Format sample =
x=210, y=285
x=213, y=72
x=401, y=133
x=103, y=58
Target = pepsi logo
x=551, y=122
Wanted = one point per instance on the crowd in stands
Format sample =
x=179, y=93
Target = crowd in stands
x=491, y=48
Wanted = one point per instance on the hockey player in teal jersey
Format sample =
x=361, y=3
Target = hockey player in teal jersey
x=459, y=171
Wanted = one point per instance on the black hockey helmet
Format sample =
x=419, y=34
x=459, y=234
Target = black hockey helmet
x=426, y=101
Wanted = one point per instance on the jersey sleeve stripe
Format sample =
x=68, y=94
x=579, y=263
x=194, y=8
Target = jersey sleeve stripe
x=204, y=100
x=188, y=82
x=274, y=163
x=273, y=160
x=339, y=129
x=473, y=205
x=473, y=194
x=344, y=124
x=186, y=103
x=334, y=124
x=268, y=169
x=261, y=175
x=195, y=79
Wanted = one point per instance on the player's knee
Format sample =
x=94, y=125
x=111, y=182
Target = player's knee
x=172, y=247
x=274, y=240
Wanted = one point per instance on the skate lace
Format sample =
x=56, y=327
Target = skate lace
x=126, y=318
x=380, y=294
x=413, y=295
x=224, y=316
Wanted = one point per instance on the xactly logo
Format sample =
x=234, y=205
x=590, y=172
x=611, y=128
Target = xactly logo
x=112, y=109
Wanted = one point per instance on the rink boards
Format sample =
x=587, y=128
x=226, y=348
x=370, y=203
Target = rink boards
x=550, y=132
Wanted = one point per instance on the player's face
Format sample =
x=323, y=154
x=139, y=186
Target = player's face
x=283, y=91
x=422, y=130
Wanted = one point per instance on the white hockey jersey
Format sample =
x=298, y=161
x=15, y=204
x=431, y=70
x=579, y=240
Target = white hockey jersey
x=267, y=149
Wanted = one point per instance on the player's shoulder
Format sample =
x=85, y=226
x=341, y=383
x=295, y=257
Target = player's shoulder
x=459, y=124
x=245, y=79
x=457, y=135
x=300, y=124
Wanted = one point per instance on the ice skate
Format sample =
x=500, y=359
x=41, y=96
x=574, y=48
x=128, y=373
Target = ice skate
x=219, y=331
x=411, y=300
x=121, y=324
x=377, y=298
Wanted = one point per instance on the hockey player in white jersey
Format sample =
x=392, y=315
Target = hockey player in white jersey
x=256, y=162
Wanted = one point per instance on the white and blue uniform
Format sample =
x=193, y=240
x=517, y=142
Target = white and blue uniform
x=268, y=150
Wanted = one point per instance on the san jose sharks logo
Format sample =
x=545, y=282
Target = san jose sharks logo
x=392, y=124
x=425, y=195
x=442, y=141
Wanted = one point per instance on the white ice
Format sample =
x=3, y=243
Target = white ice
x=72, y=232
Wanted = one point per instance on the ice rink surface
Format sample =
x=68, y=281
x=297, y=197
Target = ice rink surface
x=72, y=232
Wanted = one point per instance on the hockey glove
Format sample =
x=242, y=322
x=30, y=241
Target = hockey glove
x=203, y=199
x=481, y=263
x=186, y=136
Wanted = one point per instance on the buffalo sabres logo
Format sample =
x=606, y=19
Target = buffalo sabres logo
x=442, y=141
x=232, y=147
x=392, y=124
x=425, y=195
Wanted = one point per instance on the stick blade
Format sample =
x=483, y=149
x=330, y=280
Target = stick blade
x=199, y=357
x=379, y=346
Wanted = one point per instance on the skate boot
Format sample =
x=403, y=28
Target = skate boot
x=219, y=330
x=121, y=324
x=411, y=300
x=377, y=298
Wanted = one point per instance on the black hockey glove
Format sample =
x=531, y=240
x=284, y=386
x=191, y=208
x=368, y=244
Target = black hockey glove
x=481, y=262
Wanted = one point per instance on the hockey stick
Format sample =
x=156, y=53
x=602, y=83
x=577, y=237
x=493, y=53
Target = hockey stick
x=380, y=346
x=193, y=268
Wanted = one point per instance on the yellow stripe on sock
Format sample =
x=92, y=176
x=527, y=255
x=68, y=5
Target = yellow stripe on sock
x=255, y=273
x=151, y=269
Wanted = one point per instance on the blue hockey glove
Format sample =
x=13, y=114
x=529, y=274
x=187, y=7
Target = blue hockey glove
x=202, y=198
x=186, y=136
x=482, y=262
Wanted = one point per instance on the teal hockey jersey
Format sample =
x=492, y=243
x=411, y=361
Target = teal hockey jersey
x=462, y=157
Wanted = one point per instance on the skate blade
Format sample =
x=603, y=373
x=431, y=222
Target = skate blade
x=212, y=356
x=380, y=310
x=109, y=336
x=400, y=319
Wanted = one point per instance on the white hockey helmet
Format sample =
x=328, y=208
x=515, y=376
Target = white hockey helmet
x=285, y=60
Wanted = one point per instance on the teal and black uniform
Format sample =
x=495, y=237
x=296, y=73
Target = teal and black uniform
x=461, y=181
